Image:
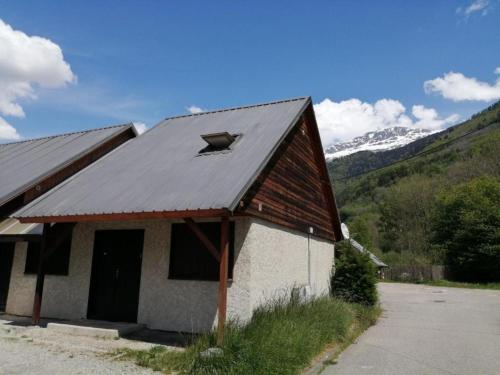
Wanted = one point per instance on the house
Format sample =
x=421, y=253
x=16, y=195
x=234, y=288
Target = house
x=202, y=218
x=380, y=266
x=30, y=168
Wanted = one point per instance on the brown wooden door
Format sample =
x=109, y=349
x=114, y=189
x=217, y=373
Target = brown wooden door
x=116, y=275
x=6, y=258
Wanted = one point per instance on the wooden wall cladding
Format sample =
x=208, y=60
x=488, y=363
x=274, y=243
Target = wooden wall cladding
x=290, y=191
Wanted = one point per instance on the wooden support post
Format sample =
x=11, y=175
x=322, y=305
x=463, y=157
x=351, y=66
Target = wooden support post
x=204, y=239
x=40, y=277
x=223, y=271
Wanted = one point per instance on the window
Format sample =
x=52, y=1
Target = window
x=57, y=262
x=190, y=260
x=219, y=142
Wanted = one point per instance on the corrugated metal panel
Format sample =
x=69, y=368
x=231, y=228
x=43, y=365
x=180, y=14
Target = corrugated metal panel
x=372, y=256
x=14, y=227
x=162, y=170
x=23, y=164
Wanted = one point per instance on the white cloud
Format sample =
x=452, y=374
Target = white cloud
x=193, y=109
x=428, y=118
x=344, y=120
x=474, y=7
x=140, y=127
x=7, y=131
x=457, y=87
x=27, y=62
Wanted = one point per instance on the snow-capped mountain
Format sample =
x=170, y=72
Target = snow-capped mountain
x=378, y=140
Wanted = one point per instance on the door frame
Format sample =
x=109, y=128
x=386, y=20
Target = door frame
x=94, y=287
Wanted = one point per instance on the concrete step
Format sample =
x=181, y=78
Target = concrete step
x=95, y=328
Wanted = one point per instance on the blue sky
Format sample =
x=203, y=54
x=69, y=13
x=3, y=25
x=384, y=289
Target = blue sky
x=145, y=60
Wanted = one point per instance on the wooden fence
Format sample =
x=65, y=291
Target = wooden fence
x=417, y=273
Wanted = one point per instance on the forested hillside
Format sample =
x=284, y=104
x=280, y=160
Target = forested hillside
x=391, y=200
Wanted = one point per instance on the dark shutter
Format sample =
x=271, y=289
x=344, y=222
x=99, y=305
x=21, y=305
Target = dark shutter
x=190, y=260
x=57, y=263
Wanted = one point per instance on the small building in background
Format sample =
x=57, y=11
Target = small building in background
x=381, y=266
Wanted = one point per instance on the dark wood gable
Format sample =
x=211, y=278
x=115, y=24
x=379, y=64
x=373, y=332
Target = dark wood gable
x=294, y=188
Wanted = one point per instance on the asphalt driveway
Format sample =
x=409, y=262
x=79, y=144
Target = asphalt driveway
x=428, y=330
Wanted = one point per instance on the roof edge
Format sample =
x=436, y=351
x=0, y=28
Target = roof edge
x=330, y=194
x=54, y=170
x=130, y=124
x=121, y=216
x=238, y=108
x=268, y=157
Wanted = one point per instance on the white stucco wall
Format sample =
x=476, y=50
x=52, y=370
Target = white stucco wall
x=269, y=261
x=189, y=306
x=280, y=260
x=21, y=287
x=64, y=297
x=321, y=263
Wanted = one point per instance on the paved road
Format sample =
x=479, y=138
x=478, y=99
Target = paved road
x=428, y=330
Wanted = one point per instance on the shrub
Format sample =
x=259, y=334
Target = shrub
x=281, y=338
x=354, y=278
x=466, y=227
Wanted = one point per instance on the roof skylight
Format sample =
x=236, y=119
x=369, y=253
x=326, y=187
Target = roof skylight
x=219, y=141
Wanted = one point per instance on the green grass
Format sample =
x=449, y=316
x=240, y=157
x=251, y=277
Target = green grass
x=456, y=284
x=281, y=338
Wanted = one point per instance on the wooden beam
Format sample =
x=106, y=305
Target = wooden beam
x=203, y=239
x=40, y=278
x=223, y=272
x=125, y=216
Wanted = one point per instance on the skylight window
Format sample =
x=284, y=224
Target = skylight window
x=218, y=142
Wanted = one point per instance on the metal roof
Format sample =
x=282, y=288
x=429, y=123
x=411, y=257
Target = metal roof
x=162, y=170
x=24, y=164
x=372, y=256
x=12, y=226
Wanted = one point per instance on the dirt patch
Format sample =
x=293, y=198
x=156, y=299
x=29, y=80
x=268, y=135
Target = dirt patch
x=37, y=350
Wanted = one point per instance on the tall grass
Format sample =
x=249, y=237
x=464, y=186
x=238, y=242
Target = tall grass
x=282, y=338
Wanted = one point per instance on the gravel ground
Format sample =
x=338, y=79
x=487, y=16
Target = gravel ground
x=33, y=350
x=20, y=357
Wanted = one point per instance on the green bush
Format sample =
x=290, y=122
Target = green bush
x=466, y=227
x=354, y=278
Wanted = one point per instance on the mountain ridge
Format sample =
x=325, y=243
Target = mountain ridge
x=363, y=161
x=388, y=198
x=376, y=141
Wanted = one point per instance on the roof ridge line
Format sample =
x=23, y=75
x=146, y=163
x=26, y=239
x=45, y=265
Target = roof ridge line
x=238, y=108
x=66, y=134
